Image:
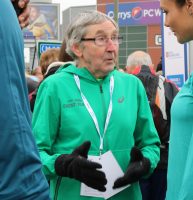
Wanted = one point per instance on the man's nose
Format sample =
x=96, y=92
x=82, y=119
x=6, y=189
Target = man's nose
x=111, y=46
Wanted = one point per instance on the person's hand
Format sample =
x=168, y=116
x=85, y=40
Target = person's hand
x=138, y=167
x=24, y=13
x=76, y=165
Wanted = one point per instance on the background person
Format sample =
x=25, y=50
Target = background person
x=32, y=82
x=159, y=70
x=179, y=17
x=37, y=72
x=20, y=167
x=81, y=100
x=48, y=57
x=160, y=93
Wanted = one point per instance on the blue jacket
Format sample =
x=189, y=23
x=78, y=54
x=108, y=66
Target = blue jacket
x=20, y=168
x=180, y=173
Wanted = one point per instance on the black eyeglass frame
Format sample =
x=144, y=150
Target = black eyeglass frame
x=94, y=39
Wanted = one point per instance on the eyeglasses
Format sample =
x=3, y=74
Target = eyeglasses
x=102, y=41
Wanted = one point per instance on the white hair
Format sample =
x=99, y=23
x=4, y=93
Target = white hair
x=139, y=58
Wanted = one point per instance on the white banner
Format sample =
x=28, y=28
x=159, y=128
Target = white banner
x=174, y=57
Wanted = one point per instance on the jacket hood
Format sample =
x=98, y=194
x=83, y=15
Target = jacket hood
x=57, y=63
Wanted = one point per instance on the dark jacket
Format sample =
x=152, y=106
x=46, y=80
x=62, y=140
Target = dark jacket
x=161, y=93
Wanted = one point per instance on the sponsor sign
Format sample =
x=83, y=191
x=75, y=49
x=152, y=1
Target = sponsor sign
x=44, y=45
x=174, y=57
x=137, y=13
x=177, y=79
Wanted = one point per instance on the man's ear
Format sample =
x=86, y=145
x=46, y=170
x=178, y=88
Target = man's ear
x=189, y=5
x=77, y=49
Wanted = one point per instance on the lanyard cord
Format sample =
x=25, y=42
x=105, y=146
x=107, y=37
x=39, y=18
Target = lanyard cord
x=91, y=112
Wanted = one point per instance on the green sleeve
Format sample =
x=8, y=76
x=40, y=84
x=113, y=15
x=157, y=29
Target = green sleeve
x=45, y=124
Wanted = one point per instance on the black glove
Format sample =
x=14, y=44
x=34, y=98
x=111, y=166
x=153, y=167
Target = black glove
x=138, y=167
x=76, y=165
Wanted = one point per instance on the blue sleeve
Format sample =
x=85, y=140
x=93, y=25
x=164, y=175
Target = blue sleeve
x=20, y=166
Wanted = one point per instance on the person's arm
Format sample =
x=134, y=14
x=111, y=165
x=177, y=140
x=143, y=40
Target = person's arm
x=146, y=136
x=145, y=155
x=45, y=123
x=23, y=11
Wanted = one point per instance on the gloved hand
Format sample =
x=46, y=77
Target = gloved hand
x=138, y=167
x=76, y=165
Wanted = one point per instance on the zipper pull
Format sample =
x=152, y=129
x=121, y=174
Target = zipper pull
x=101, y=88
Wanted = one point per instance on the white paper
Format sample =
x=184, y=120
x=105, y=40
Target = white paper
x=112, y=171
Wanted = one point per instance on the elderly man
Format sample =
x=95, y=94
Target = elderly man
x=91, y=109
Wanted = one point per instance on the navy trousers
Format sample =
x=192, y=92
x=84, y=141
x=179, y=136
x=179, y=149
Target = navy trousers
x=154, y=188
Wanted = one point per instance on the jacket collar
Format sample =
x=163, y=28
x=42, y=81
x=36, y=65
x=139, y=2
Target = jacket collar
x=83, y=72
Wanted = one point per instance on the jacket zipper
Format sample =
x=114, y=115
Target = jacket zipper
x=104, y=110
x=101, y=88
x=57, y=188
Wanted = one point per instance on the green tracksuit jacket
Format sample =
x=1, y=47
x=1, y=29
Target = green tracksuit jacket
x=61, y=122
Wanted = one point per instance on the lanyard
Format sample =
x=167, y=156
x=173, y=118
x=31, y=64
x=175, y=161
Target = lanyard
x=91, y=112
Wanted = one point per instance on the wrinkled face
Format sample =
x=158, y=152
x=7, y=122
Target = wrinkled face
x=98, y=59
x=179, y=19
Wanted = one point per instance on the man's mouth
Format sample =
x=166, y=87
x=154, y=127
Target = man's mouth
x=109, y=59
